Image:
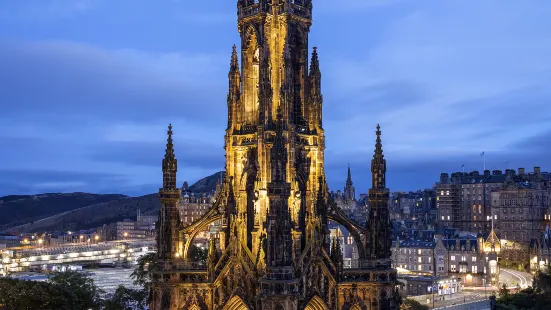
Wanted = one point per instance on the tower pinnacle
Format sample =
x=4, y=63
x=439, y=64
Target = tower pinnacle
x=170, y=164
x=234, y=63
x=378, y=163
x=314, y=63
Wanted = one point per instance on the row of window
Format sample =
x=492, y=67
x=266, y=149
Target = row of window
x=463, y=268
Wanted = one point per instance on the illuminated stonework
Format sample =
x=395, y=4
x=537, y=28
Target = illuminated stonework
x=274, y=250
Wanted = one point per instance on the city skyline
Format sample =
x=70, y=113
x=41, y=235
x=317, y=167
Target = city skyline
x=87, y=111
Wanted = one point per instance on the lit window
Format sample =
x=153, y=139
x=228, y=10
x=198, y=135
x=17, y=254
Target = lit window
x=474, y=258
x=452, y=268
x=475, y=269
x=448, y=217
x=448, y=193
x=442, y=217
x=463, y=258
x=452, y=258
x=420, y=267
x=495, y=216
x=419, y=260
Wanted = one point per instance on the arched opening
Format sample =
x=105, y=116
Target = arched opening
x=356, y=307
x=198, y=229
x=316, y=304
x=194, y=307
x=251, y=77
x=352, y=231
x=235, y=303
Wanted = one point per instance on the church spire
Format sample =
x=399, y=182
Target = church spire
x=349, y=191
x=378, y=164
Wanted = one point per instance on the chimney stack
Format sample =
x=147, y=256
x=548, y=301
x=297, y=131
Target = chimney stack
x=537, y=170
x=520, y=171
x=486, y=173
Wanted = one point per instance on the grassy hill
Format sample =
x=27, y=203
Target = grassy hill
x=19, y=209
x=59, y=212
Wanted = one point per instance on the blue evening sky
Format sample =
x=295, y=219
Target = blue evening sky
x=87, y=88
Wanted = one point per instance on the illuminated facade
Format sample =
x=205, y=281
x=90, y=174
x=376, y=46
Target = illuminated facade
x=274, y=249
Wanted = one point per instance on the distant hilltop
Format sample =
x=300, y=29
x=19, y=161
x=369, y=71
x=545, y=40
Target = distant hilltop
x=69, y=211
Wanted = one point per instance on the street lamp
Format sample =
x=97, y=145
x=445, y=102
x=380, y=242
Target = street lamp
x=96, y=238
x=125, y=235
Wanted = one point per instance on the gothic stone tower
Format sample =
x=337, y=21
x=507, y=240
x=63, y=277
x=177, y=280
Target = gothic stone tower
x=274, y=79
x=273, y=250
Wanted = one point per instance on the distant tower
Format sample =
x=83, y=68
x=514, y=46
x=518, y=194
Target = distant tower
x=379, y=217
x=349, y=191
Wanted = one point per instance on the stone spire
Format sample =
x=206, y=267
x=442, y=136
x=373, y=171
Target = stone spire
x=168, y=223
x=316, y=98
x=170, y=164
x=378, y=223
x=234, y=92
x=378, y=164
x=315, y=64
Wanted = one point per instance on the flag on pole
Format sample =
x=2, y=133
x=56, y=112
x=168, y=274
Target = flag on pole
x=482, y=154
x=462, y=166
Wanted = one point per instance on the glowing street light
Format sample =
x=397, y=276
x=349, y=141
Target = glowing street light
x=96, y=237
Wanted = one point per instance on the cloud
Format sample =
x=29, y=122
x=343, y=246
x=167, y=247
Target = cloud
x=124, y=84
x=91, y=89
x=42, y=180
x=44, y=10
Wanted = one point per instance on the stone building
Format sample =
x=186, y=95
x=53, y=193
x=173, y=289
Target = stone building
x=273, y=250
x=471, y=258
x=193, y=206
x=465, y=200
x=540, y=251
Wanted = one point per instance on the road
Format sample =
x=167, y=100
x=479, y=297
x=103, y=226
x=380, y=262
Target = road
x=455, y=299
x=512, y=277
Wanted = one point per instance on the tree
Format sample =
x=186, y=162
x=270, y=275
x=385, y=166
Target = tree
x=503, y=292
x=22, y=294
x=126, y=299
x=197, y=254
x=542, y=280
x=412, y=304
x=85, y=294
x=141, y=275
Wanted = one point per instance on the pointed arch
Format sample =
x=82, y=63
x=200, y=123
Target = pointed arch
x=235, y=303
x=316, y=303
x=194, y=307
x=356, y=307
